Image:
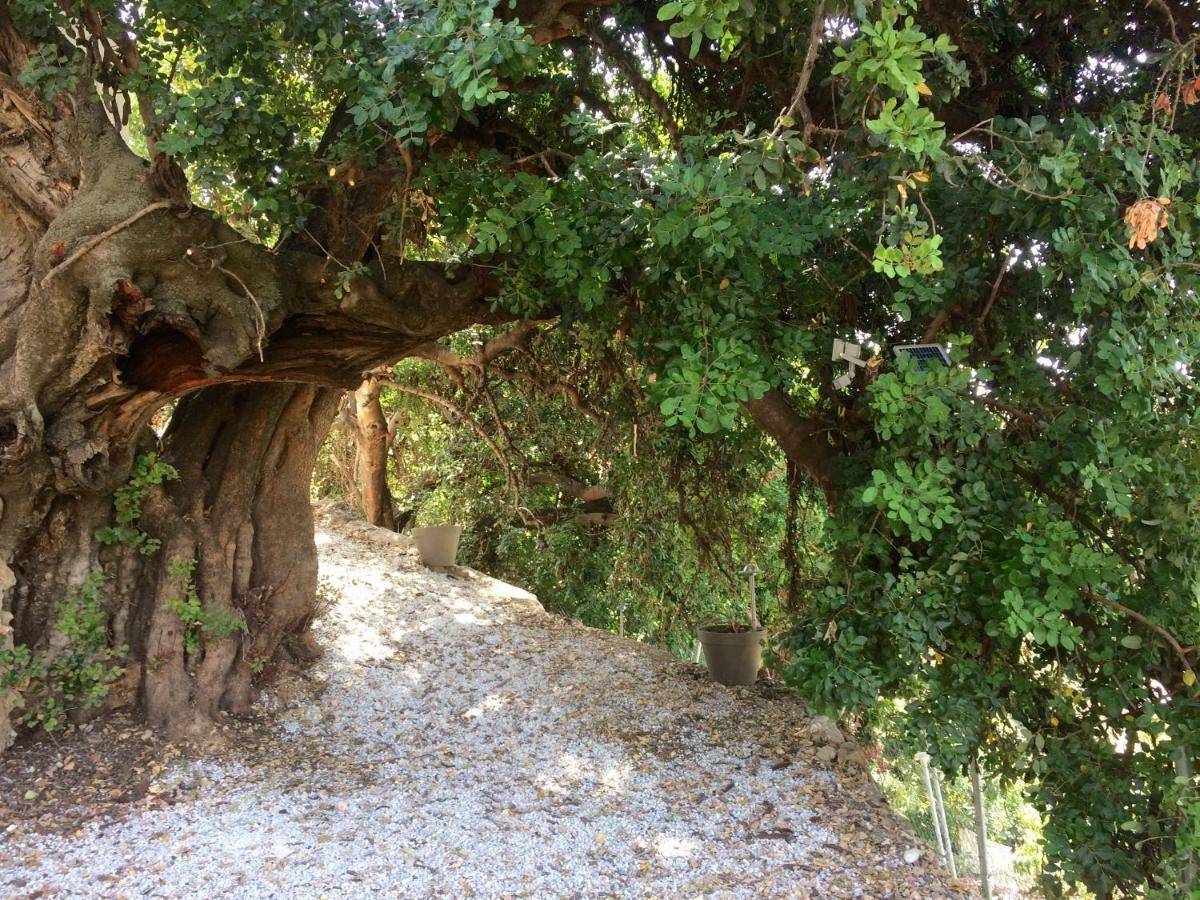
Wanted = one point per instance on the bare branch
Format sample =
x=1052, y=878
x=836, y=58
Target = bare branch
x=799, y=100
x=1157, y=629
x=102, y=237
x=1005, y=265
x=1166, y=11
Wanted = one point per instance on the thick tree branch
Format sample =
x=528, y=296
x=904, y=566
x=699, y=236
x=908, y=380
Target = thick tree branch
x=551, y=20
x=377, y=320
x=803, y=440
x=588, y=493
x=516, y=337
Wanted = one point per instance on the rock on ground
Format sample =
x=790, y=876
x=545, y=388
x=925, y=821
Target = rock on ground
x=457, y=740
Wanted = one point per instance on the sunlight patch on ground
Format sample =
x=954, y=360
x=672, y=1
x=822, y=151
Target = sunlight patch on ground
x=674, y=847
x=490, y=704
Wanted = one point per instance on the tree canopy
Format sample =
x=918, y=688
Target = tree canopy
x=703, y=196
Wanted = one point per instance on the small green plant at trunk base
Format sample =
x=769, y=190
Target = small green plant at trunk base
x=200, y=622
x=328, y=596
x=76, y=678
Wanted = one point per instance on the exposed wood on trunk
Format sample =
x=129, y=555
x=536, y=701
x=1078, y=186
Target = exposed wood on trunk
x=114, y=302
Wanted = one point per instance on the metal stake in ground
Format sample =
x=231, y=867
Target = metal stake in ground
x=980, y=832
x=750, y=570
x=943, y=822
x=933, y=812
x=1183, y=768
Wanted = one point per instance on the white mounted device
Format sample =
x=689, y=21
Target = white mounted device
x=844, y=351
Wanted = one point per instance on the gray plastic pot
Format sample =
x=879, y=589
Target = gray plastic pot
x=733, y=657
x=437, y=544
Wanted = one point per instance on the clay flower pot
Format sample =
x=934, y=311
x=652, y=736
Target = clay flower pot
x=733, y=657
x=437, y=544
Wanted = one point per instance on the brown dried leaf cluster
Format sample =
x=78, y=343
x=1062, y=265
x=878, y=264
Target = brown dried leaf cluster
x=1145, y=219
x=1191, y=91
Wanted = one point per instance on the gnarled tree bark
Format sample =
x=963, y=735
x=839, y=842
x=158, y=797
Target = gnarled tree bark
x=115, y=301
x=241, y=509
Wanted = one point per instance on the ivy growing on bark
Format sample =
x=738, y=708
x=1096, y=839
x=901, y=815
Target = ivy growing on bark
x=148, y=471
x=201, y=622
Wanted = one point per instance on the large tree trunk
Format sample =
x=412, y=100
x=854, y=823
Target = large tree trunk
x=116, y=300
x=241, y=510
x=237, y=516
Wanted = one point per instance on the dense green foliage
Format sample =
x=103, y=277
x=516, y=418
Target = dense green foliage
x=75, y=675
x=683, y=518
x=1010, y=567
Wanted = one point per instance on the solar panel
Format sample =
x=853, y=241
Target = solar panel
x=925, y=355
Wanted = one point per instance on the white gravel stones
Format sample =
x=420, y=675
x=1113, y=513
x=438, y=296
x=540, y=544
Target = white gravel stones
x=465, y=743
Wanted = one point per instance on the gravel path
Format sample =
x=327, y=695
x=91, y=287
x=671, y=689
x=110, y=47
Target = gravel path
x=461, y=742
